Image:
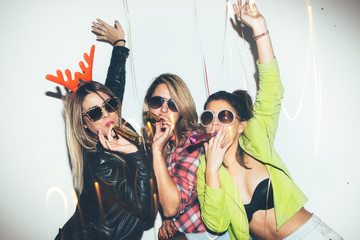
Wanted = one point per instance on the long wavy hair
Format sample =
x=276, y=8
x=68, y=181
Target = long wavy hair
x=78, y=138
x=188, y=118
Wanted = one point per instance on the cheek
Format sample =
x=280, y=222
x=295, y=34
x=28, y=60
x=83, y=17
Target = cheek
x=208, y=130
x=231, y=132
x=155, y=111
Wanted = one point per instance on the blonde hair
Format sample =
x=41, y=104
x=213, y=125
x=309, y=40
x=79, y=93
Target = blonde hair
x=78, y=139
x=180, y=94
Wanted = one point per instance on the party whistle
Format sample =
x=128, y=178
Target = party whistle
x=196, y=138
x=150, y=117
x=131, y=137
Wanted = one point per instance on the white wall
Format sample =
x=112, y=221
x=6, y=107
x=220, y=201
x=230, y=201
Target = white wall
x=316, y=44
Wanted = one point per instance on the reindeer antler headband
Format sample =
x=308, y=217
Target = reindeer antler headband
x=73, y=84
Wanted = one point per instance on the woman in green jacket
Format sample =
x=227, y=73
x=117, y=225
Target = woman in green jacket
x=243, y=185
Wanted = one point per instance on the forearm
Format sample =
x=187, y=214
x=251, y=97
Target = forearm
x=212, y=202
x=212, y=178
x=263, y=43
x=169, y=195
x=116, y=74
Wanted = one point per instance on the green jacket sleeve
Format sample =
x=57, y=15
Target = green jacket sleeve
x=214, y=212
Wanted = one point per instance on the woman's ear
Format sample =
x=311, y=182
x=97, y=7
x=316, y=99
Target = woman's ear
x=242, y=127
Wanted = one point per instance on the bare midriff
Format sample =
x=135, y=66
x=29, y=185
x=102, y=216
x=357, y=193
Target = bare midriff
x=263, y=225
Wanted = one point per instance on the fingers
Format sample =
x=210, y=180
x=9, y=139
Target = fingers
x=173, y=226
x=117, y=25
x=162, y=233
x=103, y=141
x=237, y=8
x=254, y=7
x=99, y=26
x=206, y=146
x=219, y=136
x=103, y=23
x=109, y=133
x=169, y=229
x=247, y=6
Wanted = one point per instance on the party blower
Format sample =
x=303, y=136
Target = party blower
x=197, y=138
x=131, y=137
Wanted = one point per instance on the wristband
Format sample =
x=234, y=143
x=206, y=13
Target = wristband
x=119, y=40
x=261, y=35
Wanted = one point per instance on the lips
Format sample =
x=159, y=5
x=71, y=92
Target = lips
x=108, y=124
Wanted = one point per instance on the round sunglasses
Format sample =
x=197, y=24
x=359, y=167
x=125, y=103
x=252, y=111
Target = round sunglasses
x=226, y=117
x=157, y=102
x=95, y=113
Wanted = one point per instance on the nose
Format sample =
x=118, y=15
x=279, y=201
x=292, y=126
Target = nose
x=164, y=108
x=216, y=121
x=105, y=113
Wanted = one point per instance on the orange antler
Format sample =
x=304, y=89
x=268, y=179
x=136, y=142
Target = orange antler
x=72, y=84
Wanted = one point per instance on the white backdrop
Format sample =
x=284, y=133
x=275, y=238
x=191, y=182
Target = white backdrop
x=316, y=44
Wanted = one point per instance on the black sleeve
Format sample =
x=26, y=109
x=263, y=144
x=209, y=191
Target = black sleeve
x=127, y=179
x=115, y=79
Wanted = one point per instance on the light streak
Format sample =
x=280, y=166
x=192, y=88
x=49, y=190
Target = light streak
x=127, y=15
x=60, y=192
x=317, y=84
x=201, y=52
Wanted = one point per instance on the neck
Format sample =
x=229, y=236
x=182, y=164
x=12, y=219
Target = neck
x=230, y=155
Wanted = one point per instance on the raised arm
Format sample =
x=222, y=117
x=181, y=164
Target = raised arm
x=169, y=195
x=268, y=98
x=257, y=23
x=115, y=79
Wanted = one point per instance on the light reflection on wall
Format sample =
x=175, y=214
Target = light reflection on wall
x=59, y=193
x=311, y=58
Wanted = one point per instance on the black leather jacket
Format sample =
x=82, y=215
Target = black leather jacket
x=116, y=199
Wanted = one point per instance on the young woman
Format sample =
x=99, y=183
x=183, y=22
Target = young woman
x=243, y=185
x=175, y=160
x=111, y=175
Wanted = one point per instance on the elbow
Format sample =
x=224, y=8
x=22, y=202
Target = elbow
x=171, y=211
x=170, y=204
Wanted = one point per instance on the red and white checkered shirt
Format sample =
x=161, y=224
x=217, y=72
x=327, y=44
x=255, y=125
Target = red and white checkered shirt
x=182, y=166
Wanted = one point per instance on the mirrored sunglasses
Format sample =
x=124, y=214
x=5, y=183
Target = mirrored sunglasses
x=226, y=117
x=157, y=102
x=95, y=113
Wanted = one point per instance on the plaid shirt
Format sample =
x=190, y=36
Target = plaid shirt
x=182, y=166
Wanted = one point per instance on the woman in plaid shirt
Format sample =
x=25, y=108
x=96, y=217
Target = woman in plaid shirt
x=175, y=160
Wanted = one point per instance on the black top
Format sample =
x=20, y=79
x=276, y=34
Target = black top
x=260, y=200
x=115, y=202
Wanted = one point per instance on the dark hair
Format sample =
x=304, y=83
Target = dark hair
x=241, y=101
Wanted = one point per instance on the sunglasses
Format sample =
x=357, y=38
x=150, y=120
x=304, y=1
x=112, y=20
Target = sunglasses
x=157, y=102
x=95, y=113
x=226, y=117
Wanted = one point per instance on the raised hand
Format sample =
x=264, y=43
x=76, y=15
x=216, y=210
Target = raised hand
x=215, y=152
x=116, y=144
x=107, y=33
x=161, y=137
x=250, y=17
x=257, y=22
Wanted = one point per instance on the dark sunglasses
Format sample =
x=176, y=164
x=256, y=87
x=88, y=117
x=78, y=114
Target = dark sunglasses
x=95, y=113
x=157, y=102
x=226, y=117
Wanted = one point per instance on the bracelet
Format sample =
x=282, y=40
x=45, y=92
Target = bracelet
x=119, y=40
x=261, y=35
